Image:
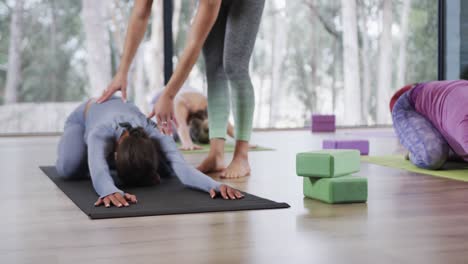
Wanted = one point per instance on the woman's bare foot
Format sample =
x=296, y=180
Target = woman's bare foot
x=239, y=166
x=215, y=160
x=212, y=163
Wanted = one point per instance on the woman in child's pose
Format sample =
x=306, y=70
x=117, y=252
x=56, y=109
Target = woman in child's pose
x=431, y=121
x=98, y=135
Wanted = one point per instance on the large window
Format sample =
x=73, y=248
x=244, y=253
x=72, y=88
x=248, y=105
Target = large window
x=311, y=56
x=454, y=39
x=308, y=59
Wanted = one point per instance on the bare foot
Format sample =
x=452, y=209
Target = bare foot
x=212, y=163
x=238, y=168
x=215, y=160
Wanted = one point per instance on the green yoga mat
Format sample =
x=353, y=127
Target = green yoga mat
x=228, y=148
x=452, y=170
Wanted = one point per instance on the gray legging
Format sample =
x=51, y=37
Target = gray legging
x=227, y=53
x=72, y=150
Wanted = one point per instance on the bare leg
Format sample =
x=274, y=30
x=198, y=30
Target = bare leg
x=215, y=160
x=239, y=166
x=230, y=132
x=218, y=95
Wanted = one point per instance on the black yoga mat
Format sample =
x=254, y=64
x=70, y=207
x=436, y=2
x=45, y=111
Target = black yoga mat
x=169, y=197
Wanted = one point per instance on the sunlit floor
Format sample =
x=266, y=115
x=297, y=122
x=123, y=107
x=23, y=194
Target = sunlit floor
x=409, y=218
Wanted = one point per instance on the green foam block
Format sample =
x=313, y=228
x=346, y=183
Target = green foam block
x=346, y=189
x=327, y=163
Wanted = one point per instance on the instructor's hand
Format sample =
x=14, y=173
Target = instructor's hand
x=119, y=83
x=117, y=200
x=228, y=193
x=164, y=112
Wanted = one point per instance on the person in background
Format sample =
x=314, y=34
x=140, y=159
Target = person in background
x=190, y=109
x=431, y=121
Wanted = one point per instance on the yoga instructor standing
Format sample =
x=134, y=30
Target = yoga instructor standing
x=226, y=31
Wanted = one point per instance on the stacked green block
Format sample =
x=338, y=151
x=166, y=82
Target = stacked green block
x=346, y=189
x=327, y=176
x=327, y=163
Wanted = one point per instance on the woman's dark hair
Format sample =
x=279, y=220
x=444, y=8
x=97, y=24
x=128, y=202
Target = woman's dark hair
x=137, y=158
x=198, y=123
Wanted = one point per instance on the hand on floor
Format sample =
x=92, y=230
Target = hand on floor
x=228, y=193
x=117, y=200
x=190, y=147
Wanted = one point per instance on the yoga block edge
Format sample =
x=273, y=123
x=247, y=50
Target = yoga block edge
x=361, y=145
x=329, y=144
x=323, y=123
x=346, y=189
x=327, y=163
x=323, y=118
x=323, y=128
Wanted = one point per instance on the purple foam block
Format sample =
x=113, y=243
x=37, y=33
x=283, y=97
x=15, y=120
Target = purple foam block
x=361, y=145
x=323, y=123
x=323, y=118
x=329, y=144
x=323, y=127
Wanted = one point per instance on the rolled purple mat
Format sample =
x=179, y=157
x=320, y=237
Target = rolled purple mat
x=361, y=145
x=323, y=123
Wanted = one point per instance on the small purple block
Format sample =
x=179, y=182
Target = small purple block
x=323, y=118
x=323, y=127
x=329, y=144
x=323, y=123
x=361, y=145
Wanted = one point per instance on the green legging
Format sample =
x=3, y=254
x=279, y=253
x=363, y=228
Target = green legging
x=227, y=53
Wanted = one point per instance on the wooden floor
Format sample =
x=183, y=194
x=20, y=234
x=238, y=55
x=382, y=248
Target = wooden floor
x=409, y=218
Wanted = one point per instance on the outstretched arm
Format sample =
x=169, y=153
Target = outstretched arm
x=187, y=174
x=135, y=32
x=202, y=23
x=190, y=176
x=100, y=174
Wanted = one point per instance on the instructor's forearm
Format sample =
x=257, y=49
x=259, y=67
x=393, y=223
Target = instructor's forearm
x=135, y=32
x=187, y=60
x=201, y=27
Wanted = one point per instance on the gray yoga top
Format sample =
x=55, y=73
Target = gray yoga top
x=102, y=126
